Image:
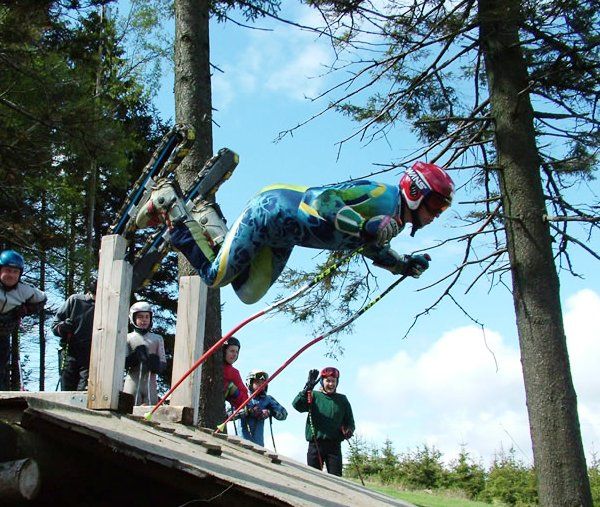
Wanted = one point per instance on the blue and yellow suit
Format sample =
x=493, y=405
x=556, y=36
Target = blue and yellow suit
x=343, y=216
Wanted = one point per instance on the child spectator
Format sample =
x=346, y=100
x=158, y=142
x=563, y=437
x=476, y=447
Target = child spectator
x=263, y=406
x=234, y=389
x=329, y=420
x=145, y=356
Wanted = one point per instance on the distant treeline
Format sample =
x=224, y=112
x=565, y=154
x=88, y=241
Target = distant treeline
x=507, y=480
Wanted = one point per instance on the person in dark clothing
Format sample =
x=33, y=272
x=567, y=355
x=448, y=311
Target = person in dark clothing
x=74, y=324
x=329, y=421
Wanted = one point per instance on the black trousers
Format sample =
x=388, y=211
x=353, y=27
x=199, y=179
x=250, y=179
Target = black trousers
x=325, y=452
x=75, y=372
x=4, y=355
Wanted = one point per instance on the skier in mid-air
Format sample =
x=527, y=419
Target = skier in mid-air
x=345, y=216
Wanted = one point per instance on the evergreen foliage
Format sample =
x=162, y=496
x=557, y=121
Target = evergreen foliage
x=507, y=480
x=77, y=127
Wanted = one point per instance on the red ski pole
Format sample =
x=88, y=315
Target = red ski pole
x=324, y=274
x=334, y=330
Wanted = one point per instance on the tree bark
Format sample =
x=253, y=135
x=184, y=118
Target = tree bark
x=193, y=105
x=551, y=400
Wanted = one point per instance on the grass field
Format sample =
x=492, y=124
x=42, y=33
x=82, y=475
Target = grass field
x=425, y=499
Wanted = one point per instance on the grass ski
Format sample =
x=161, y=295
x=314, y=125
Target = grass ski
x=173, y=147
x=215, y=172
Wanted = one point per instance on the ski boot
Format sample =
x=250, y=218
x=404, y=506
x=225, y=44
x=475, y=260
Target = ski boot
x=165, y=205
x=210, y=218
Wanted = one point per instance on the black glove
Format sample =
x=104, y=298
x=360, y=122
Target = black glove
x=65, y=329
x=313, y=378
x=347, y=432
x=412, y=265
x=154, y=363
x=138, y=356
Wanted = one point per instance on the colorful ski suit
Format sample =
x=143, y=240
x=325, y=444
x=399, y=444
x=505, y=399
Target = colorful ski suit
x=253, y=427
x=344, y=216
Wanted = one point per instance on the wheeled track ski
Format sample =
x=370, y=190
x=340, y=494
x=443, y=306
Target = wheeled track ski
x=215, y=172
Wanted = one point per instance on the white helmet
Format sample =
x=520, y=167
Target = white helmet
x=256, y=375
x=140, y=306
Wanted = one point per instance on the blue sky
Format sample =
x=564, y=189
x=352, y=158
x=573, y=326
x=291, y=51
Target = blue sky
x=448, y=383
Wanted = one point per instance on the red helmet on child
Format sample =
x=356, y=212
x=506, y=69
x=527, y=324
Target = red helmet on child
x=428, y=185
x=330, y=371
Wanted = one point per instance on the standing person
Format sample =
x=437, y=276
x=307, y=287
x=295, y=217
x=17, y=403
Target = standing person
x=74, y=324
x=329, y=420
x=145, y=356
x=234, y=389
x=260, y=408
x=346, y=216
x=17, y=299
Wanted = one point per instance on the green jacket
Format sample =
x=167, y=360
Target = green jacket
x=329, y=414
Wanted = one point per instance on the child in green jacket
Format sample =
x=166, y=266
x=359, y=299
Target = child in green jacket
x=329, y=420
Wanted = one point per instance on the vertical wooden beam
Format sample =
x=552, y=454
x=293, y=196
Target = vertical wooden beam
x=109, y=339
x=189, y=341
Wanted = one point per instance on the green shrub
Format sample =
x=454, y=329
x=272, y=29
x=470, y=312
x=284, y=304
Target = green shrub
x=510, y=481
x=466, y=475
x=422, y=468
x=594, y=475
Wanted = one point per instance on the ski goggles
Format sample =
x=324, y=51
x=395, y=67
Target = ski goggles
x=436, y=203
x=260, y=376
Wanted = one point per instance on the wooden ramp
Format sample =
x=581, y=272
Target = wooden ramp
x=94, y=458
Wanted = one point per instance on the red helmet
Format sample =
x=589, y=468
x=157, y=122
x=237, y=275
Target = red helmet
x=429, y=185
x=330, y=371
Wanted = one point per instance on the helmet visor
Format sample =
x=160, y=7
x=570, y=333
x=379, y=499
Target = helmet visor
x=436, y=203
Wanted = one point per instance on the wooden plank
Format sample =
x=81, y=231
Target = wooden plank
x=167, y=413
x=189, y=342
x=107, y=360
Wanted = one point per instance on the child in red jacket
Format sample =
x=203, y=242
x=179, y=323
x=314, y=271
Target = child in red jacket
x=235, y=390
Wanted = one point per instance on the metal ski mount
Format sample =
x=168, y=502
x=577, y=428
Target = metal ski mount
x=173, y=147
x=215, y=172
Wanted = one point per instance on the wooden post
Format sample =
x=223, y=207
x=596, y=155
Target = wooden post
x=189, y=341
x=19, y=480
x=109, y=339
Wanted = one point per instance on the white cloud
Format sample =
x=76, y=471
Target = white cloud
x=300, y=76
x=289, y=444
x=451, y=393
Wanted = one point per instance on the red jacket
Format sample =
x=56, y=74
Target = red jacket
x=235, y=390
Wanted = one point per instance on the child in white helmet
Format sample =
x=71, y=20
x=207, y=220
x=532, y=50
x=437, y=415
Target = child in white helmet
x=145, y=356
x=262, y=407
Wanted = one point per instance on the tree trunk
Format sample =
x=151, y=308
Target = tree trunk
x=551, y=399
x=42, y=316
x=193, y=105
x=15, y=367
x=92, y=191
